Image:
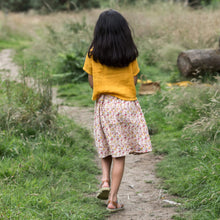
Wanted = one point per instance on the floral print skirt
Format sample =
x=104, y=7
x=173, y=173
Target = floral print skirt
x=120, y=127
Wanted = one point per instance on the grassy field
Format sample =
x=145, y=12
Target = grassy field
x=184, y=121
x=47, y=168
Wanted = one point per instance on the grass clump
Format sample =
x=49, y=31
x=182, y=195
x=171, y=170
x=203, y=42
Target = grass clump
x=187, y=123
x=46, y=162
x=26, y=111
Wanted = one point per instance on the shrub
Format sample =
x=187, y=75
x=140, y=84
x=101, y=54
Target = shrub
x=71, y=67
x=48, y=5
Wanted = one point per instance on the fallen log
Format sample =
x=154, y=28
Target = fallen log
x=198, y=62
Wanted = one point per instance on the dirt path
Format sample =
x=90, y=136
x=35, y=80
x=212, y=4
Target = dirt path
x=140, y=190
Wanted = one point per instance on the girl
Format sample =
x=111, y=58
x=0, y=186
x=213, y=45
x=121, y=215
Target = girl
x=119, y=126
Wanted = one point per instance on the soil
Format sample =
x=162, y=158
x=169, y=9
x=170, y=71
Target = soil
x=141, y=191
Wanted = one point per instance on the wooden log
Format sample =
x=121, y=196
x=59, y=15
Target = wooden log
x=198, y=62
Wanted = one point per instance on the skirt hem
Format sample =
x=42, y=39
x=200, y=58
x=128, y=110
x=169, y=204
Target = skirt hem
x=125, y=154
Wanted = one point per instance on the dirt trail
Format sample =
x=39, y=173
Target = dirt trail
x=140, y=190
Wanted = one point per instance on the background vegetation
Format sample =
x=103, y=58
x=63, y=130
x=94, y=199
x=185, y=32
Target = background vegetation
x=47, y=169
x=40, y=151
x=185, y=123
x=45, y=6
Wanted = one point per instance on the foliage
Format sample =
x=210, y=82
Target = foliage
x=48, y=5
x=71, y=67
x=184, y=121
x=27, y=111
x=15, y=5
x=187, y=123
x=63, y=55
x=46, y=167
x=67, y=5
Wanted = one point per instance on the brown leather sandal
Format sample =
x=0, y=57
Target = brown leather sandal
x=115, y=204
x=103, y=192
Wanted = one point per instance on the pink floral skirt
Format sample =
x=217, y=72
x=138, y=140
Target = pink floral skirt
x=120, y=127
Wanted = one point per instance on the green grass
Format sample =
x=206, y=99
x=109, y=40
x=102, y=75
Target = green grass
x=49, y=177
x=190, y=168
x=12, y=39
x=154, y=73
x=47, y=169
x=76, y=94
x=39, y=168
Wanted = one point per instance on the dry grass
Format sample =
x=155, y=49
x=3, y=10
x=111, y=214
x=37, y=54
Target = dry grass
x=31, y=23
x=161, y=30
x=168, y=29
x=166, y=23
x=208, y=124
x=173, y=23
x=200, y=104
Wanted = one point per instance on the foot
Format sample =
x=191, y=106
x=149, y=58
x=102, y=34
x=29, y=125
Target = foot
x=104, y=190
x=105, y=184
x=114, y=206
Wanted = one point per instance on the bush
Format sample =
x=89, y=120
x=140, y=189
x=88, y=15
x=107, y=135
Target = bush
x=48, y=5
x=71, y=67
x=20, y=5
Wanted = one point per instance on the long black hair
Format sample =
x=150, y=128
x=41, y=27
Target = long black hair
x=112, y=44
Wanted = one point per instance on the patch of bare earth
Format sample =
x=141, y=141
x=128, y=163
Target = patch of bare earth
x=140, y=190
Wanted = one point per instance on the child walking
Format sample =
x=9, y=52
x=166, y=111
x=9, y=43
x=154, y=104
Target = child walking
x=119, y=126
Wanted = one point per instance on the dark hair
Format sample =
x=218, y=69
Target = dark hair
x=112, y=44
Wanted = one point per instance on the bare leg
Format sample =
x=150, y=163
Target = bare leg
x=117, y=173
x=106, y=168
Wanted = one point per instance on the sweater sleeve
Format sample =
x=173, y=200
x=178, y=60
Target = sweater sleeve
x=88, y=65
x=135, y=67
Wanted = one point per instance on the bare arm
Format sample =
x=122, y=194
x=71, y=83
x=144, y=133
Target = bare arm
x=135, y=80
x=90, y=79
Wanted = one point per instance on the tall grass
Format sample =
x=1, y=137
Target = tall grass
x=184, y=122
x=162, y=30
x=46, y=167
x=201, y=105
x=27, y=111
x=187, y=122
